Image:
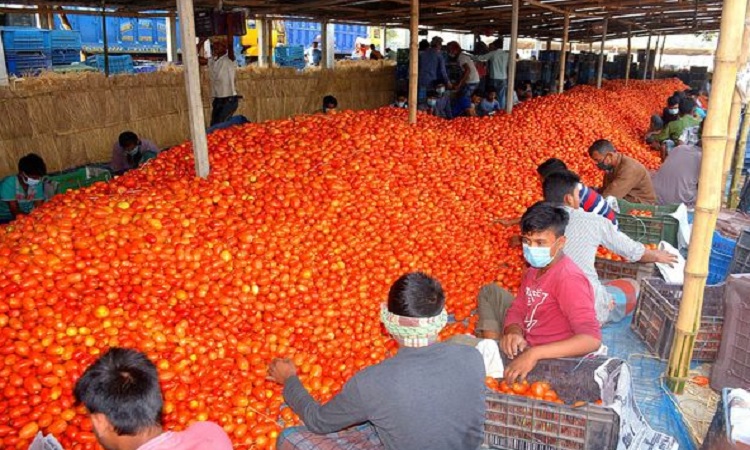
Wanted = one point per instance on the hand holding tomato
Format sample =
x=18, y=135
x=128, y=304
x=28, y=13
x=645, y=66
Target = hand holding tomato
x=513, y=343
x=281, y=369
x=521, y=366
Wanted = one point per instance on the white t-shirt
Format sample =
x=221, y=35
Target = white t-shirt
x=222, y=71
x=464, y=59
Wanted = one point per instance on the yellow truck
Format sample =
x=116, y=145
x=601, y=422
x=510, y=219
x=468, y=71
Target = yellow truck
x=250, y=40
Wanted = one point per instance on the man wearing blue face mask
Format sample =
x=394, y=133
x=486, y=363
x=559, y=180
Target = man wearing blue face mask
x=552, y=315
x=20, y=194
x=130, y=152
x=438, y=103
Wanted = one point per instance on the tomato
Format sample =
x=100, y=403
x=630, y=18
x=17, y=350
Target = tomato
x=28, y=431
x=520, y=388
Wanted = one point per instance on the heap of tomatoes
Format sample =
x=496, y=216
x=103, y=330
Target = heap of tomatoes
x=537, y=390
x=641, y=213
x=287, y=249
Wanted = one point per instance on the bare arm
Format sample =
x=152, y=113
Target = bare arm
x=578, y=345
x=202, y=60
x=658, y=256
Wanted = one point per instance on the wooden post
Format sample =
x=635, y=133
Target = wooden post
x=193, y=87
x=661, y=54
x=656, y=51
x=648, y=55
x=563, y=54
x=600, y=71
x=105, y=42
x=549, y=43
x=268, y=39
x=171, y=33
x=512, y=58
x=739, y=159
x=709, y=193
x=3, y=69
x=734, y=117
x=328, y=50
x=324, y=44
x=262, y=50
x=630, y=49
x=413, y=61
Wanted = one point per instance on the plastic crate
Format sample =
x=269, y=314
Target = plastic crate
x=722, y=251
x=741, y=257
x=117, y=63
x=65, y=57
x=648, y=230
x=514, y=422
x=27, y=63
x=291, y=52
x=656, y=312
x=79, y=178
x=65, y=40
x=732, y=367
x=26, y=40
x=614, y=270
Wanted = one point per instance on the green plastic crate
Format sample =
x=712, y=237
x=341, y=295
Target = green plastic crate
x=648, y=230
x=79, y=178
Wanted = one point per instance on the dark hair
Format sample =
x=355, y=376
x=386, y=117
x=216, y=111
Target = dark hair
x=127, y=139
x=673, y=100
x=559, y=184
x=372, y=46
x=477, y=93
x=387, y=49
x=490, y=90
x=32, y=165
x=679, y=94
x=424, y=44
x=693, y=92
x=123, y=385
x=330, y=100
x=551, y=165
x=402, y=94
x=687, y=106
x=432, y=93
x=602, y=146
x=543, y=216
x=416, y=295
x=437, y=83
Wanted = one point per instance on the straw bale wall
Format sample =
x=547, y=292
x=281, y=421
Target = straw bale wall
x=74, y=119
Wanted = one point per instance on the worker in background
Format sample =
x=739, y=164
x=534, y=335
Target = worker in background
x=314, y=55
x=497, y=77
x=700, y=109
x=430, y=395
x=489, y=104
x=130, y=152
x=438, y=103
x=585, y=233
x=571, y=81
x=375, y=55
x=590, y=200
x=123, y=398
x=676, y=181
x=390, y=54
x=552, y=316
x=624, y=177
x=401, y=101
x=470, y=77
x=330, y=104
x=467, y=107
x=670, y=113
x=431, y=68
x=222, y=68
x=669, y=137
x=21, y=193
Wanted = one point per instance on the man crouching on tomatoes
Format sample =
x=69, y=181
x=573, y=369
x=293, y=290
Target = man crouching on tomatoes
x=553, y=314
x=429, y=396
x=122, y=395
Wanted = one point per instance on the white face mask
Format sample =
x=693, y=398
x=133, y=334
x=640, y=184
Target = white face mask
x=441, y=91
x=400, y=104
x=674, y=110
x=134, y=151
x=32, y=181
x=431, y=102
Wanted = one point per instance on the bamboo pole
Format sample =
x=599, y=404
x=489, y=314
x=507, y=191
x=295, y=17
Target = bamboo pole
x=709, y=193
x=105, y=41
x=739, y=160
x=171, y=33
x=656, y=50
x=193, y=87
x=512, y=58
x=4, y=81
x=648, y=55
x=661, y=54
x=630, y=50
x=413, y=61
x=734, y=153
x=563, y=55
x=600, y=70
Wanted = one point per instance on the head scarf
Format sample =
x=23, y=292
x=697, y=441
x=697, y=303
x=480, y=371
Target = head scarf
x=413, y=331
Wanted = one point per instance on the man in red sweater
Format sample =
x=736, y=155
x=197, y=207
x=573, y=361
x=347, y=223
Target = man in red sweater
x=553, y=314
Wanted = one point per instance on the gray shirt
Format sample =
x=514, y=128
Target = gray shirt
x=423, y=398
x=498, y=60
x=585, y=233
x=677, y=179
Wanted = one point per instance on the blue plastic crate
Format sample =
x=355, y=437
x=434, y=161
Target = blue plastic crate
x=65, y=40
x=26, y=40
x=65, y=57
x=25, y=63
x=117, y=63
x=290, y=52
x=722, y=252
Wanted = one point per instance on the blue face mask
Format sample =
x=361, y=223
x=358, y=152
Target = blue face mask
x=431, y=102
x=538, y=257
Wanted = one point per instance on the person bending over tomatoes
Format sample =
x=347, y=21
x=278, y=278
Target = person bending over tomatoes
x=429, y=396
x=552, y=316
x=122, y=395
x=21, y=193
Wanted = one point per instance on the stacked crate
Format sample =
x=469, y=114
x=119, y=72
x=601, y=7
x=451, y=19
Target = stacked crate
x=290, y=56
x=27, y=50
x=66, y=47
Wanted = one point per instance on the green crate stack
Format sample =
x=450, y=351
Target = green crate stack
x=79, y=178
x=648, y=230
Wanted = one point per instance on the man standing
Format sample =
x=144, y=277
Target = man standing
x=375, y=55
x=470, y=77
x=498, y=69
x=677, y=178
x=221, y=71
x=431, y=68
x=431, y=395
x=585, y=233
x=314, y=55
x=624, y=177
